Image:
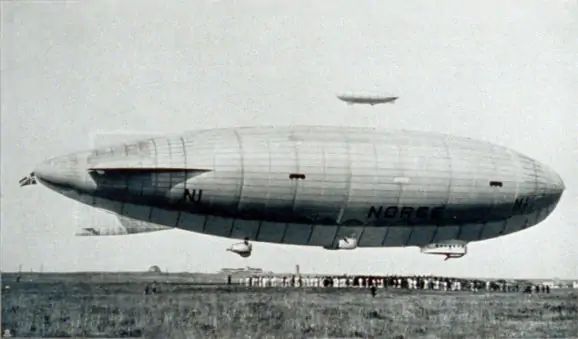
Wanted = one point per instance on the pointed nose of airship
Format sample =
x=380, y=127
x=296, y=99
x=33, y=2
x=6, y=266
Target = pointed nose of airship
x=57, y=171
x=65, y=172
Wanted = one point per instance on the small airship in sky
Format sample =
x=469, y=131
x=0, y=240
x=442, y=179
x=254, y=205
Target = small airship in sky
x=366, y=99
x=339, y=188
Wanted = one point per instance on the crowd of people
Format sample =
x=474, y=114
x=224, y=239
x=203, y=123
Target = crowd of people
x=393, y=281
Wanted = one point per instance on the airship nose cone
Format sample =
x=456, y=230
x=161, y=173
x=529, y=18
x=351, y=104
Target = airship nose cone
x=62, y=172
x=52, y=171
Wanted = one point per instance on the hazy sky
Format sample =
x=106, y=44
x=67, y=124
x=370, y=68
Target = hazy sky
x=500, y=71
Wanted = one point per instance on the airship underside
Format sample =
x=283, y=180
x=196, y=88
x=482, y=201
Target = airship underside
x=335, y=187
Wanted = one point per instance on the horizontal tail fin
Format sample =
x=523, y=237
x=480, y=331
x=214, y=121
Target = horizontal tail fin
x=126, y=226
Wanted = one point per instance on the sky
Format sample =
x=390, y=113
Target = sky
x=499, y=71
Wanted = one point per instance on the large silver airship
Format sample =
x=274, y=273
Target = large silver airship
x=334, y=187
x=366, y=99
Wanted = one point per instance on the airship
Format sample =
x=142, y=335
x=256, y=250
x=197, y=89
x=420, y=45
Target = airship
x=366, y=99
x=338, y=188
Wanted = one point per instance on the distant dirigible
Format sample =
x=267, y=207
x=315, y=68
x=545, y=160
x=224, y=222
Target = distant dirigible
x=335, y=187
x=366, y=99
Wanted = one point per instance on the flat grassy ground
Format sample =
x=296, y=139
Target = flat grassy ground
x=94, y=307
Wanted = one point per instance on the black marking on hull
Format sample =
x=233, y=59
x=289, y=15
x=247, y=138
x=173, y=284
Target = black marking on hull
x=232, y=228
x=297, y=176
x=434, y=234
x=284, y=233
x=258, y=229
x=178, y=219
x=151, y=213
x=310, y=234
x=242, y=163
x=459, y=231
x=185, y=160
x=193, y=196
x=335, y=238
x=481, y=231
x=409, y=236
x=496, y=184
x=123, y=203
x=295, y=185
x=360, y=236
x=205, y=222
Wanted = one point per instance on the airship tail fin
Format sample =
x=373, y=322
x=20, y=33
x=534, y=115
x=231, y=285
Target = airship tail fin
x=122, y=226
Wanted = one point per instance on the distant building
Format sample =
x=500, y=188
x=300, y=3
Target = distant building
x=155, y=269
x=242, y=270
x=550, y=284
x=575, y=284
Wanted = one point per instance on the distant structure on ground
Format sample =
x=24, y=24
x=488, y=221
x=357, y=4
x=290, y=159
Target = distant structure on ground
x=556, y=283
x=242, y=270
x=155, y=269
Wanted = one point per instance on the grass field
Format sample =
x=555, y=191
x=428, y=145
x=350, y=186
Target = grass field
x=92, y=308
